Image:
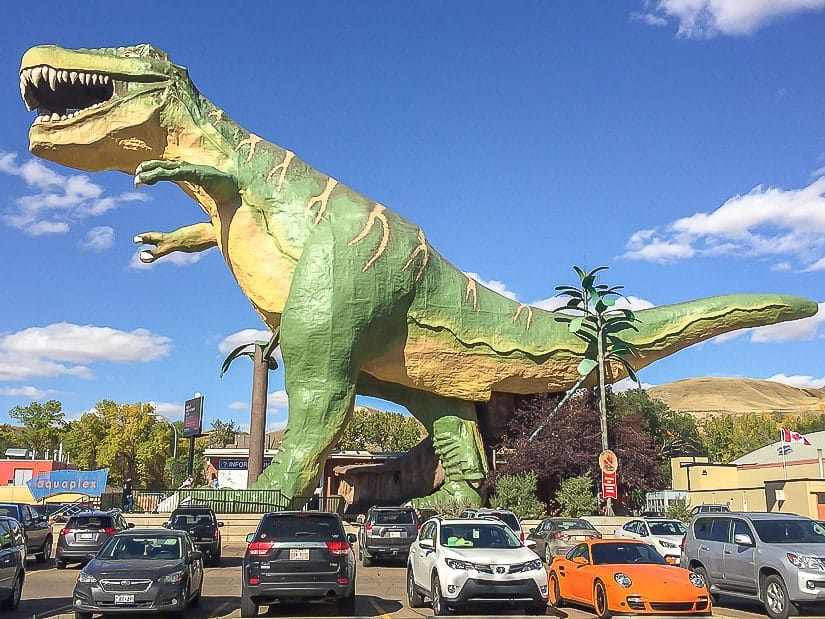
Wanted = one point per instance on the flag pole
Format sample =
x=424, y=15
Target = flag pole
x=782, y=449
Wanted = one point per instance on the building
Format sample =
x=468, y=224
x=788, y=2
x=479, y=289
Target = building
x=18, y=467
x=779, y=477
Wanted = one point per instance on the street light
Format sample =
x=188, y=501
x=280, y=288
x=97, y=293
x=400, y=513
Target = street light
x=174, y=429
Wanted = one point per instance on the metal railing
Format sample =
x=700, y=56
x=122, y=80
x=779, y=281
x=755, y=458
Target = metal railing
x=225, y=501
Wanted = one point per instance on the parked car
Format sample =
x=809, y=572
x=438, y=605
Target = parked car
x=664, y=534
x=141, y=570
x=626, y=576
x=387, y=532
x=463, y=562
x=37, y=530
x=204, y=528
x=85, y=533
x=705, y=508
x=555, y=536
x=506, y=516
x=298, y=555
x=12, y=562
x=778, y=559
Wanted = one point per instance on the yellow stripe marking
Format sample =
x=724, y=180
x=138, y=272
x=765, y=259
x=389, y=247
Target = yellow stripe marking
x=376, y=214
x=420, y=248
x=252, y=142
x=529, y=315
x=283, y=167
x=321, y=200
x=472, y=291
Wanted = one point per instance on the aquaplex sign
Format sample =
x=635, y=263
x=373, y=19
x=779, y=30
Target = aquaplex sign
x=91, y=483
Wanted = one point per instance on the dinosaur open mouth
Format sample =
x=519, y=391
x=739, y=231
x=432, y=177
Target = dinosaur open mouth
x=60, y=94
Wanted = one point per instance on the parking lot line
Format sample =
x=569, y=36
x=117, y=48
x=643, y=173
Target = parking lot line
x=379, y=609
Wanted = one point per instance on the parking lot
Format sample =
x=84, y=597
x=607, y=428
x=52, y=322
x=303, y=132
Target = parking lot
x=380, y=593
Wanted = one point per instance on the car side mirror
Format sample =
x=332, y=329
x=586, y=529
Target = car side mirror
x=742, y=539
x=580, y=561
x=532, y=531
x=352, y=538
x=195, y=555
x=427, y=543
x=130, y=525
x=220, y=524
x=250, y=537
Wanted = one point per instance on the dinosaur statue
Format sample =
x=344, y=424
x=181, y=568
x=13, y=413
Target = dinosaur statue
x=364, y=303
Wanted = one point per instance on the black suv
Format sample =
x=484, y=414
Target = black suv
x=204, y=528
x=298, y=555
x=85, y=533
x=12, y=562
x=387, y=532
x=37, y=530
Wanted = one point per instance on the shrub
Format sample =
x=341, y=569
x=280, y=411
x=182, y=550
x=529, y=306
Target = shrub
x=517, y=493
x=679, y=510
x=576, y=496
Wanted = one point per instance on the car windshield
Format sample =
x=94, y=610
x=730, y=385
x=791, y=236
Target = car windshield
x=478, y=536
x=305, y=526
x=130, y=547
x=8, y=510
x=669, y=527
x=507, y=518
x=90, y=522
x=191, y=519
x=573, y=523
x=401, y=516
x=611, y=553
x=789, y=531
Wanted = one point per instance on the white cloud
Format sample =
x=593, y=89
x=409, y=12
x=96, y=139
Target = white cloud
x=630, y=302
x=706, y=18
x=59, y=201
x=276, y=425
x=98, y=239
x=763, y=223
x=245, y=336
x=28, y=392
x=277, y=400
x=170, y=410
x=65, y=349
x=627, y=384
x=177, y=258
x=238, y=406
x=493, y=284
x=803, y=382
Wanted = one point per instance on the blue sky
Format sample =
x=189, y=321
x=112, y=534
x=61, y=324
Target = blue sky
x=679, y=142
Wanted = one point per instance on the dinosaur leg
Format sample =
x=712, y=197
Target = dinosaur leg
x=190, y=239
x=456, y=439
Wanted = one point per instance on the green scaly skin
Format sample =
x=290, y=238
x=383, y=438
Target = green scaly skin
x=364, y=303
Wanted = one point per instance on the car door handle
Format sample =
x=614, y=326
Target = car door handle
x=728, y=552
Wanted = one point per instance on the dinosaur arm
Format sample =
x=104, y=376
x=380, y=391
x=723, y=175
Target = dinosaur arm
x=220, y=186
x=190, y=239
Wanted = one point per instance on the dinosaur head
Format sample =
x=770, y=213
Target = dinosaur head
x=99, y=109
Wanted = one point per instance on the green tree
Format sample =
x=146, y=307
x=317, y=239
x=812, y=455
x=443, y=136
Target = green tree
x=727, y=437
x=576, y=496
x=376, y=430
x=222, y=433
x=82, y=440
x=42, y=425
x=517, y=493
x=679, y=510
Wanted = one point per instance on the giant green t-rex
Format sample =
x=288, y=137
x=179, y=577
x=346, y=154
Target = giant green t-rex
x=364, y=303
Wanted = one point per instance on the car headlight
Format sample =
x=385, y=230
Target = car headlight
x=667, y=544
x=458, y=564
x=697, y=580
x=173, y=577
x=84, y=577
x=806, y=562
x=622, y=579
x=533, y=565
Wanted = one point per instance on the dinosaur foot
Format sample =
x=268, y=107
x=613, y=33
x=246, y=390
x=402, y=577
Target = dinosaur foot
x=452, y=496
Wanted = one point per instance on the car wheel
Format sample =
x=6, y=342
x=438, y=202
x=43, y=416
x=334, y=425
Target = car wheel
x=195, y=602
x=13, y=601
x=600, y=604
x=346, y=605
x=714, y=597
x=45, y=552
x=60, y=564
x=555, y=594
x=775, y=598
x=440, y=608
x=79, y=614
x=537, y=609
x=365, y=560
x=248, y=607
x=414, y=598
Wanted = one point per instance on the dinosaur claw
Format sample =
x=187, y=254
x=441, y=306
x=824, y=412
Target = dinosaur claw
x=146, y=257
x=138, y=240
x=138, y=181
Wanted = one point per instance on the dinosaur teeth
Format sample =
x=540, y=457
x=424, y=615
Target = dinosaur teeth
x=59, y=94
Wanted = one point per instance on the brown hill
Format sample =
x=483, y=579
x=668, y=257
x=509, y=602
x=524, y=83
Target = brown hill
x=707, y=396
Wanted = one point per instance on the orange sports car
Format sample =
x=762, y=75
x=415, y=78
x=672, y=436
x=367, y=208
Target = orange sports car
x=628, y=577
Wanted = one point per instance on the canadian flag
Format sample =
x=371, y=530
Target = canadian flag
x=789, y=436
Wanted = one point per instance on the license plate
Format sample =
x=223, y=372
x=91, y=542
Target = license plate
x=299, y=554
x=85, y=535
x=397, y=534
x=125, y=598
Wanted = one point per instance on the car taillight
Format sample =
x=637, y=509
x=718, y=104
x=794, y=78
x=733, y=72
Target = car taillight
x=109, y=531
x=368, y=528
x=556, y=535
x=338, y=549
x=682, y=544
x=254, y=580
x=257, y=549
x=521, y=536
x=217, y=535
x=65, y=531
x=418, y=526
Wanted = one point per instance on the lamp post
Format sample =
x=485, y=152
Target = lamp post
x=174, y=429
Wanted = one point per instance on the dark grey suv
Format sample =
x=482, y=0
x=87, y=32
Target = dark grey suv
x=12, y=562
x=387, y=533
x=298, y=556
x=85, y=534
x=776, y=558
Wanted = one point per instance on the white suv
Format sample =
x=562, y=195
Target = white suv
x=461, y=562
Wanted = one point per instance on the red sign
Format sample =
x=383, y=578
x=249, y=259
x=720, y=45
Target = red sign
x=609, y=488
